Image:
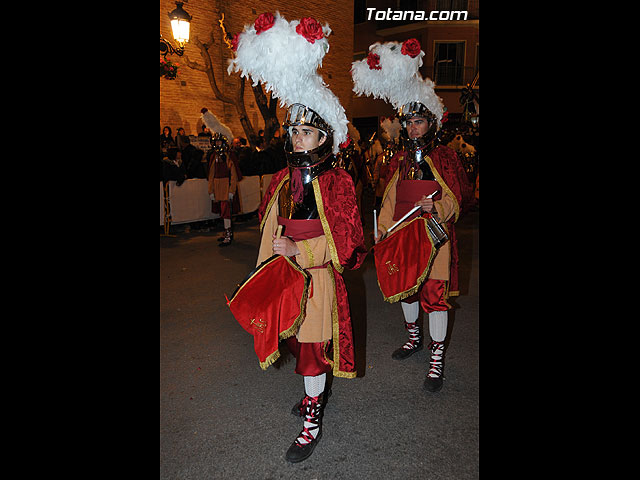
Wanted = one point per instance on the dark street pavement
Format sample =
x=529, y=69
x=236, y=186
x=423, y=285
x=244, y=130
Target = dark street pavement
x=222, y=417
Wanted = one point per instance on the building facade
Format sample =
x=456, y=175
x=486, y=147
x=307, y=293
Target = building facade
x=451, y=45
x=182, y=99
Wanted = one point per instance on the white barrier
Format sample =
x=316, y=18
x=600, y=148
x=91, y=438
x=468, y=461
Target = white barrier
x=161, y=205
x=190, y=201
x=249, y=194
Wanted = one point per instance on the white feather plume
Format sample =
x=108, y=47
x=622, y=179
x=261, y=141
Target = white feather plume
x=354, y=133
x=398, y=80
x=286, y=63
x=391, y=128
x=215, y=125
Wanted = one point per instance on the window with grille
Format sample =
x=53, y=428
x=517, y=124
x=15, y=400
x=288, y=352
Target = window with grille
x=448, y=63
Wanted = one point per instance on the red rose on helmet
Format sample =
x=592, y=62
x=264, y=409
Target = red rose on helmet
x=346, y=143
x=264, y=22
x=411, y=47
x=373, y=60
x=310, y=29
x=234, y=42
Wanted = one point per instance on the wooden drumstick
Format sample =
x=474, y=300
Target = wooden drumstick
x=408, y=214
x=414, y=209
x=375, y=225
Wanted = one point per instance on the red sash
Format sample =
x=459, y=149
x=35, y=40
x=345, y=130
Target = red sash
x=299, y=230
x=410, y=191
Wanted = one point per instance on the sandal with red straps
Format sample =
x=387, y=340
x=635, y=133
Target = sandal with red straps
x=303, y=446
x=298, y=408
x=413, y=345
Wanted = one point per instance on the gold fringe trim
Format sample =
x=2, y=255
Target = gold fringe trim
x=325, y=226
x=345, y=374
x=296, y=323
x=270, y=360
x=448, y=191
x=307, y=248
x=274, y=197
x=422, y=277
x=335, y=324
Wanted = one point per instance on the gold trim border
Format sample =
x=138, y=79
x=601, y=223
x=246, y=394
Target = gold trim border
x=274, y=197
x=442, y=183
x=325, y=226
x=422, y=277
x=335, y=363
x=271, y=358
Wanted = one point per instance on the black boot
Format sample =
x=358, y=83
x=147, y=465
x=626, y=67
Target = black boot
x=413, y=345
x=433, y=381
x=299, y=451
x=227, y=239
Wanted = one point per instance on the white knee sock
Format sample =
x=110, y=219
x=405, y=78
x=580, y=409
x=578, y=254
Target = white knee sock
x=314, y=386
x=227, y=222
x=410, y=311
x=438, y=325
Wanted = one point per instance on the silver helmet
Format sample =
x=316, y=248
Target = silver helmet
x=417, y=109
x=298, y=114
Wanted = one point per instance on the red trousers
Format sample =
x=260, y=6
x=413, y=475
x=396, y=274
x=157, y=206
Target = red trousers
x=223, y=208
x=310, y=357
x=432, y=295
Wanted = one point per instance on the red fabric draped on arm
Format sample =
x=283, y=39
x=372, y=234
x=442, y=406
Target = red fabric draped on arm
x=343, y=217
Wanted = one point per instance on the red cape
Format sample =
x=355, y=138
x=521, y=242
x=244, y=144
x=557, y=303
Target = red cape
x=449, y=171
x=342, y=226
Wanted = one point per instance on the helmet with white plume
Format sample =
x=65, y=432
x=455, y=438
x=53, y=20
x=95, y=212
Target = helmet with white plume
x=390, y=72
x=215, y=125
x=285, y=56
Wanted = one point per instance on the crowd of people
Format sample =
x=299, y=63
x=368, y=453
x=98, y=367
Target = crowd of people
x=180, y=159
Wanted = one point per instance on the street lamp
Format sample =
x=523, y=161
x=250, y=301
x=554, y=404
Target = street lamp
x=180, y=29
x=180, y=24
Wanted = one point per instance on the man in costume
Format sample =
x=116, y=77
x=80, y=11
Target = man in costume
x=224, y=173
x=381, y=175
x=391, y=72
x=312, y=199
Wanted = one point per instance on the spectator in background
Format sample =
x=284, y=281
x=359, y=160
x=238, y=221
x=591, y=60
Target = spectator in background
x=182, y=140
x=245, y=158
x=171, y=167
x=166, y=140
x=205, y=132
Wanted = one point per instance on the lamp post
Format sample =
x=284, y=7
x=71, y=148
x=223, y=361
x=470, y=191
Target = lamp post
x=180, y=26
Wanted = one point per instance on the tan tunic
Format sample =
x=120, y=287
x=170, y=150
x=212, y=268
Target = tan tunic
x=445, y=208
x=317, y=323
x=221, y=187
